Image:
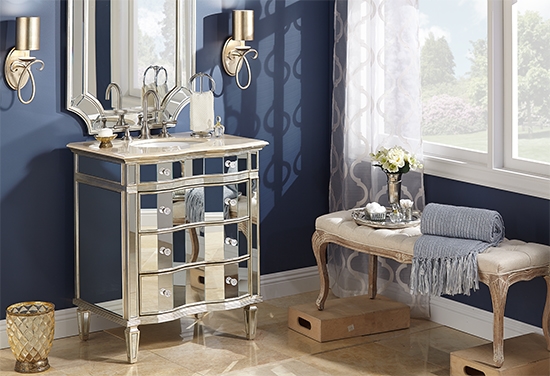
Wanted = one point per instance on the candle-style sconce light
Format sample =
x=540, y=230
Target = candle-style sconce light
x=17, y=67
x=235, y=50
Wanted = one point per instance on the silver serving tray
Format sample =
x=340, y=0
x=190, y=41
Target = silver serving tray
x=359, y=217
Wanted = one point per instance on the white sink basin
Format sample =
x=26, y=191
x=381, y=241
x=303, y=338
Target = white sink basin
x=167, y=143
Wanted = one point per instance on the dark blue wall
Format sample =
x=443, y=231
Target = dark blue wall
x=288, y=105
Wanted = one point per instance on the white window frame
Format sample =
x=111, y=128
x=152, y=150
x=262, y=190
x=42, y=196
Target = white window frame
x=122, y=51
x=497, y=168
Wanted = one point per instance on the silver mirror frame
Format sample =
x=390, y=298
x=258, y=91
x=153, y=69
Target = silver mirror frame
x=174, y=101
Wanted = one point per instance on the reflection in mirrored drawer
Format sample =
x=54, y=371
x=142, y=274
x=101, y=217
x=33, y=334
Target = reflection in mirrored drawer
x=162, y=293
x=161, y=171
x=167, y=250
x=165, y=171
x=157, y=252
x=173, y=208
x=221, y=281
x=231, y=199
x=211, y=283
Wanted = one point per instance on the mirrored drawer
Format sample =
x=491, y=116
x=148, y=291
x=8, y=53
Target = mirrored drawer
x=194, y=167
x=213, y=283
x=173, y=208
x=198, y=244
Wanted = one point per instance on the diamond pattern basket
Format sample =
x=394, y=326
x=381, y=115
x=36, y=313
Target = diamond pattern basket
x=30, y=328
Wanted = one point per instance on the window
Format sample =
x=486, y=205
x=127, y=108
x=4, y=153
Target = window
x=485, y=71
x=528, y=108
x=153, y=45
x=143, y=47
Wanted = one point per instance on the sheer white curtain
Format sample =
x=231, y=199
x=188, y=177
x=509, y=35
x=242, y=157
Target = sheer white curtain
x=376, y=102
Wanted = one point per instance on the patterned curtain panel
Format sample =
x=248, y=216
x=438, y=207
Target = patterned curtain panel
x=376, y=103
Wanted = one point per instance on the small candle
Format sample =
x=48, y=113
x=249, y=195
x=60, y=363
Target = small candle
x=105, y=132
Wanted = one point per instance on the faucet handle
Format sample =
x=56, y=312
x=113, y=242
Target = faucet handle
x=164, y=131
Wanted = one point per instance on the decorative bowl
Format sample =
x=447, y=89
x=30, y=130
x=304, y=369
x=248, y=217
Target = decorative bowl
x=105, y=142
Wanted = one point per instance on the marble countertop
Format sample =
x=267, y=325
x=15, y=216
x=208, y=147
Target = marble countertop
x=181, y=144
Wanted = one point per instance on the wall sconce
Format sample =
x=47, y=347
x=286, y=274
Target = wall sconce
x=17, y=67
x=235, y=50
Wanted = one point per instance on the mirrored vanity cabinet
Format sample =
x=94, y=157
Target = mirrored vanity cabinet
x=166, y=228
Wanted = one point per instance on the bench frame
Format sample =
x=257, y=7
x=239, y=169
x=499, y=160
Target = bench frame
x=498, y=283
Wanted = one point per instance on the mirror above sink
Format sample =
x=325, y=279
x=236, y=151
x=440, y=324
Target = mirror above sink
x=138, y=45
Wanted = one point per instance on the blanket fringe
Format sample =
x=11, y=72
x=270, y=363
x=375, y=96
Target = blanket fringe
x=449, y=275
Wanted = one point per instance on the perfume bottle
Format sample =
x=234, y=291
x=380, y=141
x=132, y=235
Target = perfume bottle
x=396, y=215
x=219, y=129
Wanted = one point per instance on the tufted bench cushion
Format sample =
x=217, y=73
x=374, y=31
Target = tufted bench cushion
x=513, y=255
x=341, y=224
x=498, y=267
x=509, y=256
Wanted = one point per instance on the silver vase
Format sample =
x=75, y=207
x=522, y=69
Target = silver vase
x=394, y=188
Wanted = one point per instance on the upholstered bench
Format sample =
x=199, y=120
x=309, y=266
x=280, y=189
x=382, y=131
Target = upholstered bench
x=498, y=267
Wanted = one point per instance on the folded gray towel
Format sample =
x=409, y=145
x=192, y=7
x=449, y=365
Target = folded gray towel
x=445, y=256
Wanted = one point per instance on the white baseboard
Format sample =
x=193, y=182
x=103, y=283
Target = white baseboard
x=291, y=282
x=463, y=317
x=474, y=321
x=443, y=311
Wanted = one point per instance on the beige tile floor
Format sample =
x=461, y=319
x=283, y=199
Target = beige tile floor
x=170, y=349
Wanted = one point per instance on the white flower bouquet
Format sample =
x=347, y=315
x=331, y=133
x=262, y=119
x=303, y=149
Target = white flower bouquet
x=395, y=160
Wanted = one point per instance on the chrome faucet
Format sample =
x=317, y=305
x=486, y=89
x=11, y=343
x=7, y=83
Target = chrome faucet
x=145, y=131
x=115, y=86
x=121, y=123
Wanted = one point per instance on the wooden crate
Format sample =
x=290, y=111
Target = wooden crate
x=523, y=355
x=348, y=317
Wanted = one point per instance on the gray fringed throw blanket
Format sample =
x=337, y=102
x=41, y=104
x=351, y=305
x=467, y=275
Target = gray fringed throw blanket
x=445, y=255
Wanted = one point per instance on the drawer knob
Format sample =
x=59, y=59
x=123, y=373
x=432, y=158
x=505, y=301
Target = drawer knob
x=230, y=164
x=165, y=210
x=165, y=172
x=231, y=281
x=165, y=292
x=165, y=251
x=230, y=201
x=231, y=241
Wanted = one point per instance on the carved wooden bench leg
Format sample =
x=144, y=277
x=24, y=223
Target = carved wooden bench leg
x=194, y=244
x=498, y=287
x=546, y=314
x=320, y=252
x=373, y=275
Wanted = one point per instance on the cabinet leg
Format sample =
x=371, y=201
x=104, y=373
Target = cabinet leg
x=250, y=322
x=83, y=319
x=198, y=329
x=132, y=343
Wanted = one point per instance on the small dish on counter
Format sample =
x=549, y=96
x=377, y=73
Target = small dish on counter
x=105, y=141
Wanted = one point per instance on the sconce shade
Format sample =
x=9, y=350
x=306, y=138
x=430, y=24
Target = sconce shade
x=243, y=25
x=28, y=33
x=18, y=63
